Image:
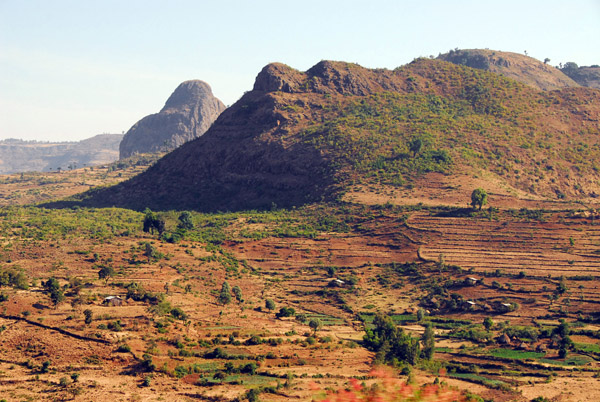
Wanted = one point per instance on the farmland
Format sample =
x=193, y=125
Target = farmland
x=525, y=269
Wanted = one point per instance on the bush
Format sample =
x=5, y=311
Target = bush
x=178, y=313
x=248, y=368
x=286, y=312
x=124, y=348
x=88, y=316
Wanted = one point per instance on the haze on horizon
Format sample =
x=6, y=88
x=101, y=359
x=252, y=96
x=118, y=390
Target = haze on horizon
x=72, y=69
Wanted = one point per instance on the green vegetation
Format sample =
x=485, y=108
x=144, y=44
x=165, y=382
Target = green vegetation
x=225, y=294
x=391, y=343
x=515, y=354
x=478, y=198
x=53, y=289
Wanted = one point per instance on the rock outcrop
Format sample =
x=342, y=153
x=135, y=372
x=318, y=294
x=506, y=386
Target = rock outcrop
x=187, y=114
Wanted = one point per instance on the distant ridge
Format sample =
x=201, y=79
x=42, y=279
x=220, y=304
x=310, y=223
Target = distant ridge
x=300, y=137
x=585, y=76
x=519, y=67
x=18, y=156
x=187, y=114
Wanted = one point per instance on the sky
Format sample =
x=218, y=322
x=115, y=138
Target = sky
x=71, y=69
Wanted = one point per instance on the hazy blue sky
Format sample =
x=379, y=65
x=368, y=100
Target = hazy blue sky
x=70, y=69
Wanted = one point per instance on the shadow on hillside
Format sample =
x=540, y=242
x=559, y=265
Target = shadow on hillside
x=456, y=213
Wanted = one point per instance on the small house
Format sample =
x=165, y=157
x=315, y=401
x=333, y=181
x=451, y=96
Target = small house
x=336, y=283
x=113, y=301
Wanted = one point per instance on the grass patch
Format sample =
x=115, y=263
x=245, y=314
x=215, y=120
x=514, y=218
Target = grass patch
x=478, y=379
x=588, y=347
x=515, y=354
x=576, y=360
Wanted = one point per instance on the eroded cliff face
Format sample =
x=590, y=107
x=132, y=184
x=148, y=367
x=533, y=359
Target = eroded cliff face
x=187, y=114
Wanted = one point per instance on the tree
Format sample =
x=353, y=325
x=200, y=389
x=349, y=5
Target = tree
x=237, y=292
x=149, y=219
x=569, y=68
x=561, y=288
x=270, y=304
x=152, y=222
x=149, y=251
x=315, y=324
x=88, y=316
x=106, y=272
x=286, y=312
x=488, y=323
x=478, y=198
x=225, y=295
x=185, y=221
x=415, y=145
x=546, y=60
x=390, y=342
x=428, y=340
x=53, y=290
x=566, y=343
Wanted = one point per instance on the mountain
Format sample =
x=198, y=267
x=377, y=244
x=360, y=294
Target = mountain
x=27, y=156
x=512, y=65
x=584, y=76
x=187, y=114
x=300, y=137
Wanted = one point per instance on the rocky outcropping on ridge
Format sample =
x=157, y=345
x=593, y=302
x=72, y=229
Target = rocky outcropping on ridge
x=187, y=114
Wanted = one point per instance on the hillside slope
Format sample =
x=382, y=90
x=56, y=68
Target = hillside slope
x=512, y=65
x=187, y=114
x=26, y=156
x=302, y=137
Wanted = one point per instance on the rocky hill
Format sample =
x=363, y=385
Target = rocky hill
x=187, y=114
x=28, y=156
x=299, y=137
x=512, y=65
x=584, y=76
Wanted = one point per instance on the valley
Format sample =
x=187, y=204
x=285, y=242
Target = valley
x=172, y=337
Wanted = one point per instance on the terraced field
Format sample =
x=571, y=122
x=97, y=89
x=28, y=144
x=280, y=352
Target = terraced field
x=556, y=247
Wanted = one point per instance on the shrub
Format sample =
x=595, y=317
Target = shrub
x=225, y=294
x=124, y=348
x=286, y=312
x=178, y=313
x=88, y=316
